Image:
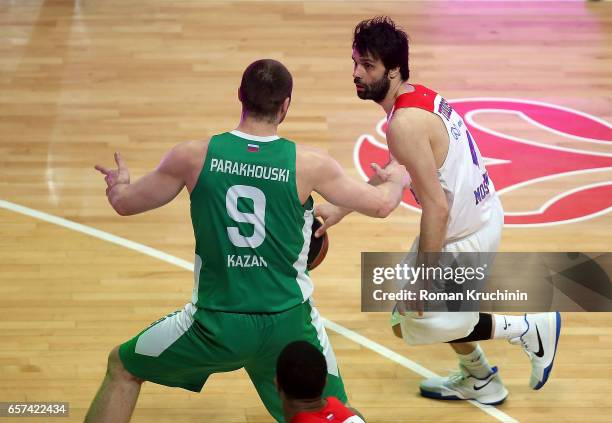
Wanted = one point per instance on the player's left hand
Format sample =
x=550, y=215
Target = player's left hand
x=393, y=171
x=330, y=214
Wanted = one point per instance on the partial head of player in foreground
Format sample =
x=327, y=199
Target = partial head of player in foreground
x=252, y=213
x=301, y=375
x=461, y=212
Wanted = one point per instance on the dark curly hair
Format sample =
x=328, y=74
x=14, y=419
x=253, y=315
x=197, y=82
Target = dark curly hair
x=380, y=38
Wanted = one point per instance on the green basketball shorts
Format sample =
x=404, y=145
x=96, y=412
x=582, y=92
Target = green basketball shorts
x=184, y=348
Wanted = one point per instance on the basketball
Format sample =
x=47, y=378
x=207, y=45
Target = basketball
x=318, y=246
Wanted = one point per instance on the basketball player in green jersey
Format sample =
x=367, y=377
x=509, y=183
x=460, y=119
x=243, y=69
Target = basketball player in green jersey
x=252, y=213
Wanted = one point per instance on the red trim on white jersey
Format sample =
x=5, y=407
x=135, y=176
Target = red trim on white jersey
x=422, y=98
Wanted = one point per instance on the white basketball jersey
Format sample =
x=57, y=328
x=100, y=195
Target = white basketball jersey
x=469, y=190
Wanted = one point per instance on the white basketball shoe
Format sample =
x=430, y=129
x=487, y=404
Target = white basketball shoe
x=463, y=386
x=540, y=343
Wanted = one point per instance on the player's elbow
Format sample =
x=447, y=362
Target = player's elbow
x=385, y=208
x=383, y=212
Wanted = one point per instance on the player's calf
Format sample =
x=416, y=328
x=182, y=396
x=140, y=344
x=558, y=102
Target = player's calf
x=117, y=396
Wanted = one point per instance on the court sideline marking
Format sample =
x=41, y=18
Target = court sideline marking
x=152, y=252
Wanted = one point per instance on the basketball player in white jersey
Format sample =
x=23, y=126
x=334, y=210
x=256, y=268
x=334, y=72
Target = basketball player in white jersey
x=461, y=212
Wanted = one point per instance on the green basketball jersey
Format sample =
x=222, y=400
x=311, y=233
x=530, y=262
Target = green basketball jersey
x=252, y=233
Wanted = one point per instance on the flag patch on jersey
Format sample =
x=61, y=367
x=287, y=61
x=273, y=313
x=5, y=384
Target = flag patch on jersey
x=253, y=148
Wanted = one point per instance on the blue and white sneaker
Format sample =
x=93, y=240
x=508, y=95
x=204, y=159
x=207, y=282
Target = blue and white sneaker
x=540, y=343
x=462, y=385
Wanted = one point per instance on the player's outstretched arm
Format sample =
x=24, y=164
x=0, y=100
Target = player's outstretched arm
x=338, y=188
x=332, y=214
x=153, y=190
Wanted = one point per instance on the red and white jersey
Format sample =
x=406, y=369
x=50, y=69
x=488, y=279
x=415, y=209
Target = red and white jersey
x=469, y=190
x=333, y=412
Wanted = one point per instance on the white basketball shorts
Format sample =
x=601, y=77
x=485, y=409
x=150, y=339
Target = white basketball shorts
x=437, y=327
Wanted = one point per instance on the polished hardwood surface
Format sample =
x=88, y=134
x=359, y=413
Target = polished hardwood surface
x=80, y=80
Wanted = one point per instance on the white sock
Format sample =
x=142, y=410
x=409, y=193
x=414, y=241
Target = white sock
x=508, y=327
x=476, y=363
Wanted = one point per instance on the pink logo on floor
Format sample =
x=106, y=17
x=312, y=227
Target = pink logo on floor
x=514, y=163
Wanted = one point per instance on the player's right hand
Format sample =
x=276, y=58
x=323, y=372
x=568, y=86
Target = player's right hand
x=330, y=214
x=114, y=177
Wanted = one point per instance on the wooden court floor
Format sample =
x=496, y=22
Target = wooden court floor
x=82, y=79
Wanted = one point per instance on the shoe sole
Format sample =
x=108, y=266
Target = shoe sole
x=548, y=369
x=438, y=396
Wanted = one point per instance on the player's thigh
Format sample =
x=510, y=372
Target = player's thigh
x=179, y=351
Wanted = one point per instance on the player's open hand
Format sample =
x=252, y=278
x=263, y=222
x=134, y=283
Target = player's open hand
x=115, y=177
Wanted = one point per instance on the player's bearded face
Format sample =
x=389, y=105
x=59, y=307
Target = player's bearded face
x=376, y=90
